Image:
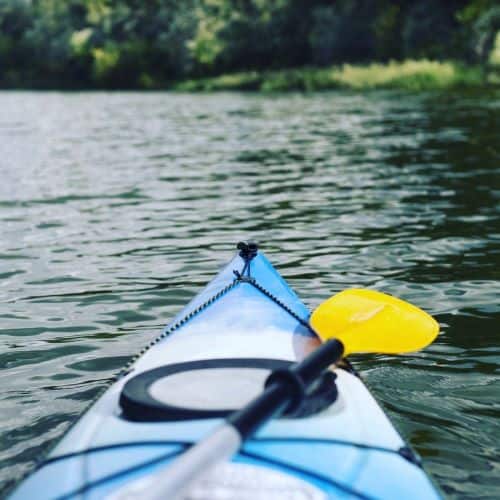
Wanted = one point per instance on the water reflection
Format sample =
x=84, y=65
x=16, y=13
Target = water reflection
x=116, y=208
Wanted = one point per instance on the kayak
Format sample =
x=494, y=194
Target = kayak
x=211, y=360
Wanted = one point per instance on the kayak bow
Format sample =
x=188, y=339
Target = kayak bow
x=332, y=442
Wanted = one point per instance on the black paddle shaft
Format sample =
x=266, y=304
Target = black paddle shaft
x=285, y=389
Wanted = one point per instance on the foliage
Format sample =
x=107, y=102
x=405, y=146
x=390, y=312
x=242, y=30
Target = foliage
x=409, y=75
x=150, y=44
x=495, y=53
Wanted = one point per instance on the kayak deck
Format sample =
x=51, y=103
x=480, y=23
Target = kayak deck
x=351, y=449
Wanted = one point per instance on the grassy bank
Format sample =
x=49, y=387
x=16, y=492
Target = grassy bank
x=409, y=75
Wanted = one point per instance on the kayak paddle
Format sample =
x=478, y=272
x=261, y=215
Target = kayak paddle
x=352, y=321
x=370, y=321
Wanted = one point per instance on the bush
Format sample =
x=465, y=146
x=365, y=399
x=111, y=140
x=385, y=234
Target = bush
x=409, y=75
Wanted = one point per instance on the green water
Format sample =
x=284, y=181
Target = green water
x=116, y=208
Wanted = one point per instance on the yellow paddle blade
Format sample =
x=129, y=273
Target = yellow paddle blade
x=369, y=321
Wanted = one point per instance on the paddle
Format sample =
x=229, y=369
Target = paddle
x=353, y=321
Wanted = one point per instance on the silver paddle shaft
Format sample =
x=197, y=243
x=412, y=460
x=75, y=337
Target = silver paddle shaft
x=173, y=480
x=282, y=388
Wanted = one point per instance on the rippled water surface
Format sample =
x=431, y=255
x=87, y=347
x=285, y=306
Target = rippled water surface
x=116, y=208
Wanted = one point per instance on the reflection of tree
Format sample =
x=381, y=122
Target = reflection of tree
x=459, y=155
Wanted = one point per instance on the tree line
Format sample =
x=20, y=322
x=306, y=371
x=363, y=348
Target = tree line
x=151, y=43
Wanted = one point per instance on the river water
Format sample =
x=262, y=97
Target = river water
x=116, y=208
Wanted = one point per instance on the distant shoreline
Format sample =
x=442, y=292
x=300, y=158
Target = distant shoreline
x=419, y=75
x=409, y=75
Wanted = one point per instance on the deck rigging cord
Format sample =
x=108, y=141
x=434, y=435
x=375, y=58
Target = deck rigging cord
x=247, y=253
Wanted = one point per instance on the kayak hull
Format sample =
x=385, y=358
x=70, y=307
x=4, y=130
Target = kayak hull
x=350, y=449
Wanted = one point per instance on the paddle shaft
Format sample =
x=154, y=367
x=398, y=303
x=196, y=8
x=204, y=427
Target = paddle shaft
x=283, y=389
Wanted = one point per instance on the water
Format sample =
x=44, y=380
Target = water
x=116, y=208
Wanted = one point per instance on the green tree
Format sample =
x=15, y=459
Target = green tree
x=138, y=43
x=15, y=55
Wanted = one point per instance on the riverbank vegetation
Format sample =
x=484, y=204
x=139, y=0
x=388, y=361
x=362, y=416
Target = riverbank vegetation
x=253, y=44
x=409, y=75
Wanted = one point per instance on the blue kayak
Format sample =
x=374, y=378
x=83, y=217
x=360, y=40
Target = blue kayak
x=211, y=360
